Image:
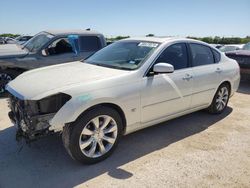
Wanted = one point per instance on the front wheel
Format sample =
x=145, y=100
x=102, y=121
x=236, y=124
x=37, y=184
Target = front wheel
x=220, y=99
x=94, y=136
x=5, y=77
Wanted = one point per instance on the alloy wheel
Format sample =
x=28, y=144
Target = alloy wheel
x=98, y=136
x=222, y=98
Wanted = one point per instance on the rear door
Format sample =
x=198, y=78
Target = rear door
x=206, y=74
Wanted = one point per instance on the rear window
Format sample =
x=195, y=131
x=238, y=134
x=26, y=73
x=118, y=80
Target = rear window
x=89, y=43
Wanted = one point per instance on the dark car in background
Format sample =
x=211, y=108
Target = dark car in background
x=243, y=59
x=47, y=48
x=18, y=40
x=2, y=41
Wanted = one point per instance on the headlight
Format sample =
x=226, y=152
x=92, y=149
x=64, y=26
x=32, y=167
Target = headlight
x=52, y=103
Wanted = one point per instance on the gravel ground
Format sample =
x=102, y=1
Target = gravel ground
x=197, y=150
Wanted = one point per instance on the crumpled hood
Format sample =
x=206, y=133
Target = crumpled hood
x=239, y=52
x=36, y=83
x=12, y=51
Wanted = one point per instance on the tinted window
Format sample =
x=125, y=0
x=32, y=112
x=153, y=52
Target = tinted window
x=216, y=56
x=201, y=55
x=89, y=43
x=175, y=55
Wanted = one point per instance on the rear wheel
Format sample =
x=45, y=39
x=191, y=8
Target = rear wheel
x=220, y=99
x=94, y=136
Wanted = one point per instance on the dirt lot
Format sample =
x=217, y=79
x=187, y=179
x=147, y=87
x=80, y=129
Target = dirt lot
x=197, y=150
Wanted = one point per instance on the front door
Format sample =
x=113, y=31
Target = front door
x=163, y=95
x=59, y=51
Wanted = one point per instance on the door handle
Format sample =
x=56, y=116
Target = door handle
x=218, y=70
x=187, y=77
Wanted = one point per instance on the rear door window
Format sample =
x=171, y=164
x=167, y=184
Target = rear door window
x=89, y=43
x=201, y=55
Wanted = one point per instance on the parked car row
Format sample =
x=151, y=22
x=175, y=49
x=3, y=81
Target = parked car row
x=230, y=47
x=115, y=90
x=18, y=40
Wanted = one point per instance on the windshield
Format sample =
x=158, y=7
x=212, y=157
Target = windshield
x=35, y=43
x=128, y=55
x=246, y=46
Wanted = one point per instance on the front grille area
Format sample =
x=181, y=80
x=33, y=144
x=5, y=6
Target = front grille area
x=25, y=115
x=32, y=117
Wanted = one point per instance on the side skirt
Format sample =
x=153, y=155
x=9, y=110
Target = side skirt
x=139, y=126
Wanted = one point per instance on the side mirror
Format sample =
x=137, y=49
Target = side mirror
x=44, y=52
x=163, y=68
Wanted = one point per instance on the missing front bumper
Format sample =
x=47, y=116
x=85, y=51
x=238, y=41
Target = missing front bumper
x=31, y=128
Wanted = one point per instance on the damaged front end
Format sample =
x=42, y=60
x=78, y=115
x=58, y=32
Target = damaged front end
x=32, y=117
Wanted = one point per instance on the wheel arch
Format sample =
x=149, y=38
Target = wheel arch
x=113, y=106
x=229, y=84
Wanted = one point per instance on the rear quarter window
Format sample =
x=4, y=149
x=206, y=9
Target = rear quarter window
x=217, y=56
x=89, y=43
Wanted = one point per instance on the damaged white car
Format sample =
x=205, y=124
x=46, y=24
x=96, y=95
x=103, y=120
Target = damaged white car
x=127, y=86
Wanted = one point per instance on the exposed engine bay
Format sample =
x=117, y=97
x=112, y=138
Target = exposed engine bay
x=32, y=117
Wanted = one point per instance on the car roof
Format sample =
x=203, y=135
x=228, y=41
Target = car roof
x=151, y=39
x=76, y=31
x=165, y=39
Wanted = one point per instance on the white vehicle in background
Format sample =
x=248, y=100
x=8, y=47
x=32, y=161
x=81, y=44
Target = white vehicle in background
x=128, y=85
x=231, y=47
x=218, y=46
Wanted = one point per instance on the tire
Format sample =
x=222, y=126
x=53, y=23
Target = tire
x=220, y=99
x=87, y=143
x=5, y=77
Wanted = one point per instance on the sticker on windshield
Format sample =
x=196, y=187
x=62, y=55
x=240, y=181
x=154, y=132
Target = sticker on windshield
x=148, y=44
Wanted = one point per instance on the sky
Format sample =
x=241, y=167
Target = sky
x=129, y=17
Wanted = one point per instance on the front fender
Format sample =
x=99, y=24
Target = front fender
x=75, y=107
x=126, y=96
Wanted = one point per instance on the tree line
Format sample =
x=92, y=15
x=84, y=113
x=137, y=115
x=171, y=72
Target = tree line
x=223, y=40
x=9, y=35
x=211, y=40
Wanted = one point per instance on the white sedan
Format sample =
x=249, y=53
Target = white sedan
x=127, y=86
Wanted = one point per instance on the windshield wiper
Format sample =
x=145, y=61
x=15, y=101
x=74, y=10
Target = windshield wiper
x=109, y=66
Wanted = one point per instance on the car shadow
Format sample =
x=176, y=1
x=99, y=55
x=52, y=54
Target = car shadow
x=45, y=163
x=244, y=87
